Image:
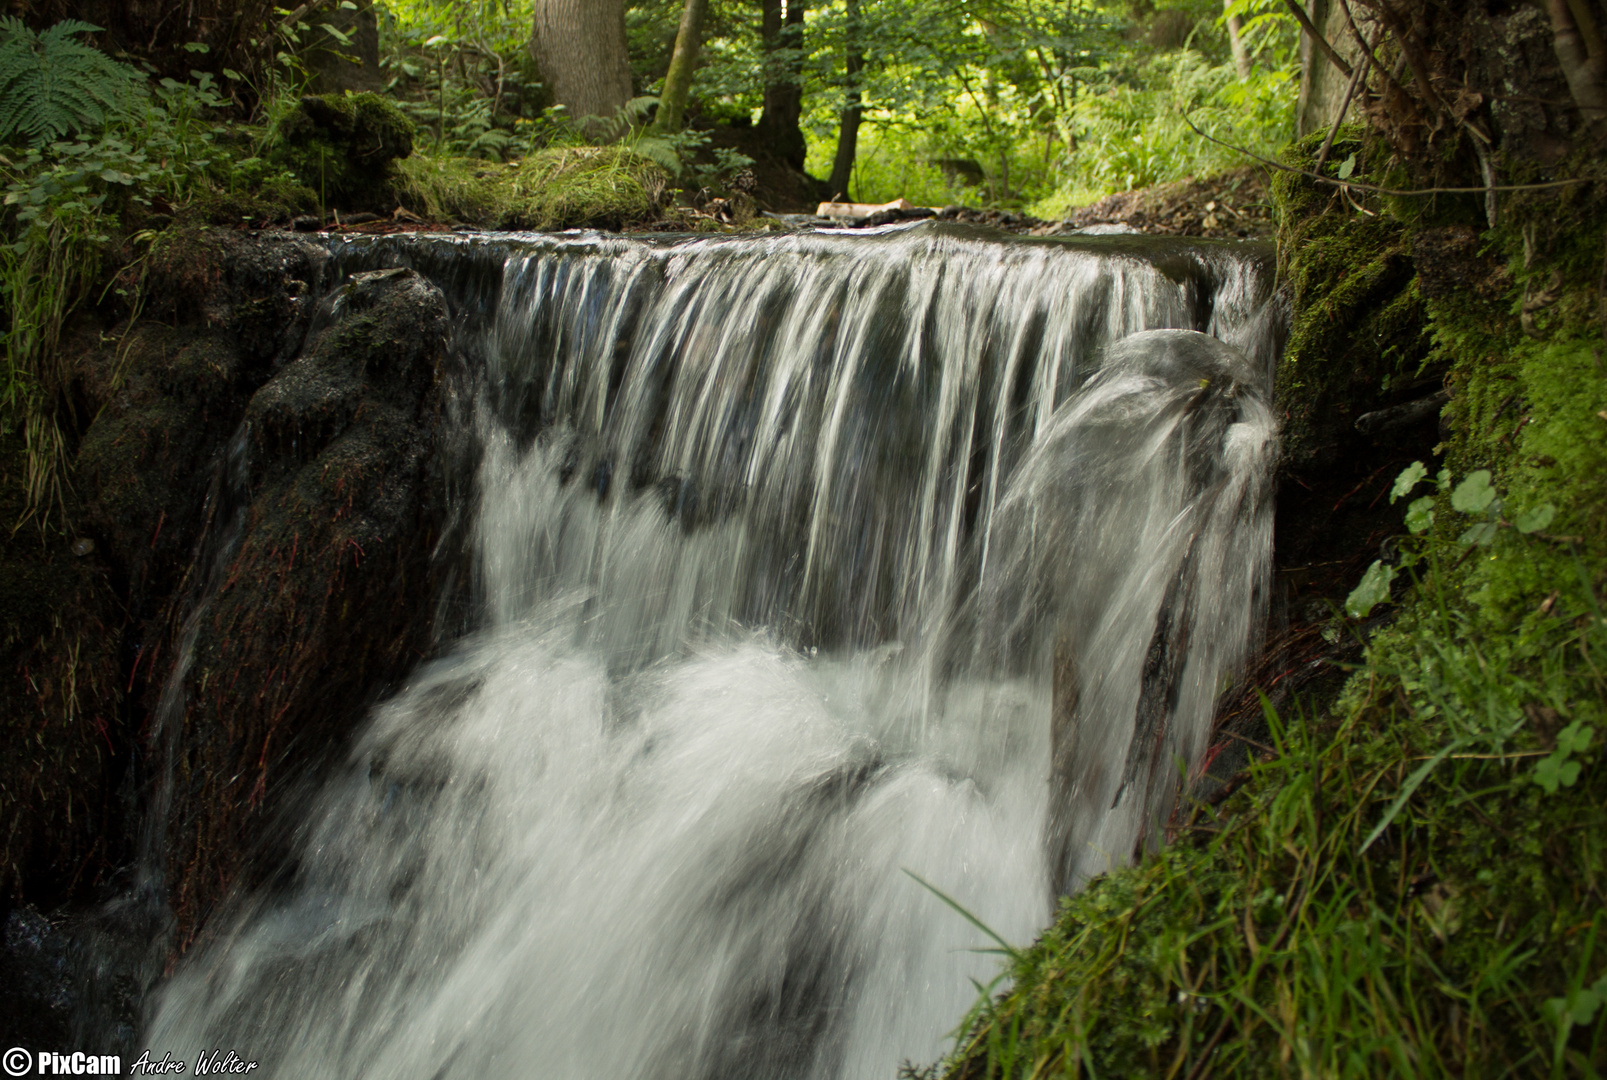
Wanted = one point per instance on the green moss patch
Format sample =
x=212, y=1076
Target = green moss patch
x=1359, y=326
x=602, y=186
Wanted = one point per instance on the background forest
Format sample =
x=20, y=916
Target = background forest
x=1037, y=104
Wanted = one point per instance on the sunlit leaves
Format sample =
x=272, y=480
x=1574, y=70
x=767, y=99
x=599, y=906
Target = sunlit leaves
x=1409, y=478
x=1474, y=494
x=1373, y=590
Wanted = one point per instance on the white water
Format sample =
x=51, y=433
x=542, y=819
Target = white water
x=777, y=541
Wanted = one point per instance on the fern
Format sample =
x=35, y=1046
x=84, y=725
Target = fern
x=52, y=84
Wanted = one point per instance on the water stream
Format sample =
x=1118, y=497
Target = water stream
x=785, y=546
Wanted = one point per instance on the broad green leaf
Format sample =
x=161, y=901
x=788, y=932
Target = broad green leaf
x=1347, y=167
x=1420, y=514
x=1575, y=738
x=1372, y=591
x=1474, y=494
x=1555, y=771
x=1480, y=535
x=197, y=46
x=1409, y=478
x=1536, y=518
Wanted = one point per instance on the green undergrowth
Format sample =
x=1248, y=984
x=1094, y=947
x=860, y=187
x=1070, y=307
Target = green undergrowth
x=558, y=188
x=1410, y=880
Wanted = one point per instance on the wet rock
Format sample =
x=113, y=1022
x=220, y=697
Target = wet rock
x=36, y=991
x=347, y=502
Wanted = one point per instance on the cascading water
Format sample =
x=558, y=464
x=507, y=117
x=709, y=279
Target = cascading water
x=810, y=566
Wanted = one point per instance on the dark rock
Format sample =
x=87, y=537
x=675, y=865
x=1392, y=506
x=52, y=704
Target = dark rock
x=315, y=611
x=1383, y=421
x=964, y=171
x=36, y=990
x=1449, y=261
x=334, y=67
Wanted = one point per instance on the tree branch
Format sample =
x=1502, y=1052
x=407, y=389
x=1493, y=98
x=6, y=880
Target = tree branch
x=1344, y=106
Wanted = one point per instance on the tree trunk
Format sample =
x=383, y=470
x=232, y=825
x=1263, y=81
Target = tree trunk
x=783, y=89
x=672, y=102
x=1583, y=57
x=1241, y=55
x=579, y=46
x=848, y=133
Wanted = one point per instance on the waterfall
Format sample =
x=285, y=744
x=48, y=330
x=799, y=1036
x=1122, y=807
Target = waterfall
x=818, y=574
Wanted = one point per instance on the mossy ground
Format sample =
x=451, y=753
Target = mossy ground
x=1469, y=937
x=558, y=188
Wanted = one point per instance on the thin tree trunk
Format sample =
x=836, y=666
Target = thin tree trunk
x=1583, y=57
x=1241, y=55
x=783, y=91
x=579, y=47
x=677, y=84
x=842, y=167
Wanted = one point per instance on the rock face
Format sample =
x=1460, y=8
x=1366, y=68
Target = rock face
x=261, y=500
x=340, y=498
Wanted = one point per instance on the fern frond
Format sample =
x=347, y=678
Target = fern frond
x=52, y=84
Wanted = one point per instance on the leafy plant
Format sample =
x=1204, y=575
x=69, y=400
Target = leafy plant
x=52, y=84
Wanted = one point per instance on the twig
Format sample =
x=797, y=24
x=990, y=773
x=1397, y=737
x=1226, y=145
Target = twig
x=1488, y=757
x=1259, y=746
x=1281, y=167
x=1316, y=36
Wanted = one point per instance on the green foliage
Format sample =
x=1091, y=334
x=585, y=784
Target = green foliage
x=1137, y=134
x=64, y=201
x=53, y=85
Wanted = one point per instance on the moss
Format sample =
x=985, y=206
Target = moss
x=601, y=186
x=1359, y=322
x=342, y=146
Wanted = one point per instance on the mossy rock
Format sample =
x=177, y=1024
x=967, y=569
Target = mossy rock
x=1359, y=336
x=343, y=145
